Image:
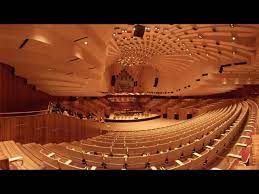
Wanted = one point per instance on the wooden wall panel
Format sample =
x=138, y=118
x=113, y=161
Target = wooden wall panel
x=17, y=95
x=47, y=128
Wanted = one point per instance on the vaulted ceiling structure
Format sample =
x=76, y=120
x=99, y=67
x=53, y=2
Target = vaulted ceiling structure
x=79, y=60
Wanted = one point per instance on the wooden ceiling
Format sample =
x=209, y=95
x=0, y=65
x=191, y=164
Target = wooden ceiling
x=72, y=60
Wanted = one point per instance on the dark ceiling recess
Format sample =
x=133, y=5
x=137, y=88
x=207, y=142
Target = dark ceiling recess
x=24, y=43
x=205, y=74
x=241, y=63
x=80, y=39
x=197, y=80
x=228, y=65
x=75, y=59
x=223, y=66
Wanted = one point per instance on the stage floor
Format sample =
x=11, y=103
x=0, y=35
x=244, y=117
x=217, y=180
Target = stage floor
x=137, y=118
x=140, y=125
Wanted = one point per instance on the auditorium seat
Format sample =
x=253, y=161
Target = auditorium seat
x=220, y=139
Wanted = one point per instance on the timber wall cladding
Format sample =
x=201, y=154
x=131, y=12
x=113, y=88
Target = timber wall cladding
x=16, y=95
x=47, y=128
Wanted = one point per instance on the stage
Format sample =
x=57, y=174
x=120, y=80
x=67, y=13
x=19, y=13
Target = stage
x=132, y=118
x=139, y=126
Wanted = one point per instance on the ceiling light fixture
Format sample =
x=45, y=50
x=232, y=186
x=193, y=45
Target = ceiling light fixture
x=200, y=36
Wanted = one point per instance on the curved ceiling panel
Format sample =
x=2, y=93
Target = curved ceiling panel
x=189, y=59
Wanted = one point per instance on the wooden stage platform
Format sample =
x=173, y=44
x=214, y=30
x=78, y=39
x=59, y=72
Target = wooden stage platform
x=139, y=126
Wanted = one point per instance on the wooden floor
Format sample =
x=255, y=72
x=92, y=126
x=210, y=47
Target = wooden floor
x=140, y=125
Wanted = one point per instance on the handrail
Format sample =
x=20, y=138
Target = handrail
x=20, y=114
x=25, y=112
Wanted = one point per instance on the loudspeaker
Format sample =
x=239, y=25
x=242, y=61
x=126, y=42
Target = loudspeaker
x=113, y=80
x=139, y=31
x=156, y=82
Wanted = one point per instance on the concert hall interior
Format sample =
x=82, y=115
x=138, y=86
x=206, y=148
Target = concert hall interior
x=129, y=96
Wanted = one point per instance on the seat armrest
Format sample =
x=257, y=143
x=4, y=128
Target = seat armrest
x=15, y=159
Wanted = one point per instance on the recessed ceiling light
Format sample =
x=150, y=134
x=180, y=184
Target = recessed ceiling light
x=233, y=38
x=50, y=69
x=200, y=36
x=232, y=25
x=85, y=42
x=207, y=54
